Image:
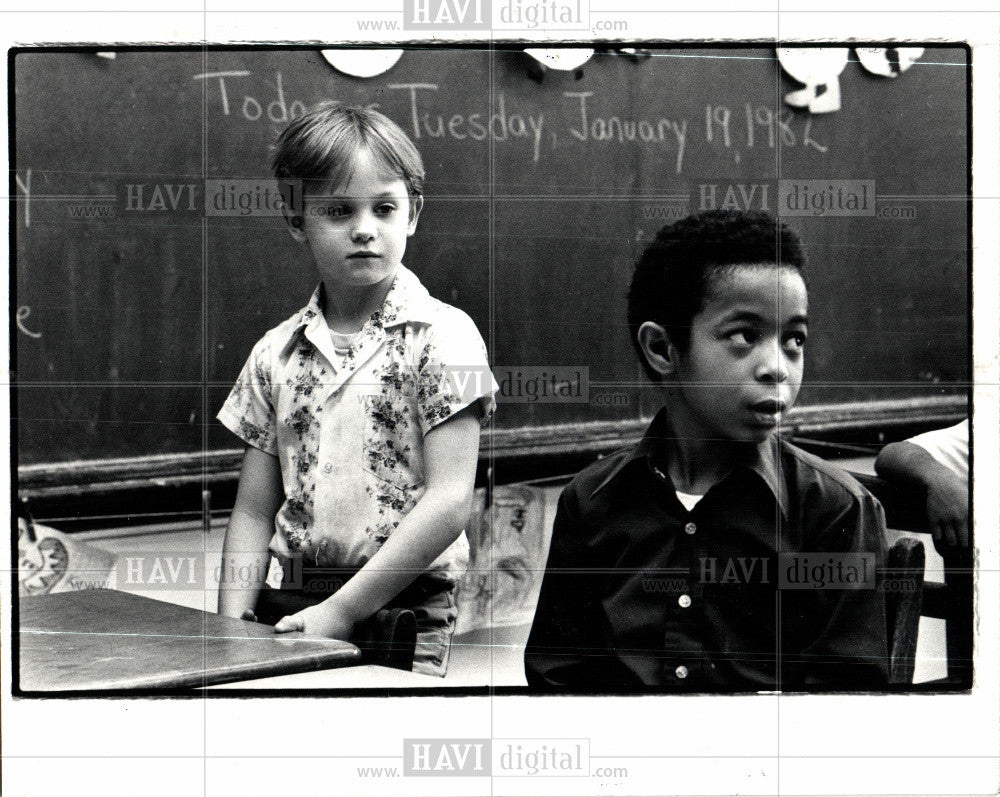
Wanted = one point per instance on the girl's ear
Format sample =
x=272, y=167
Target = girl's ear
x=416, y=205
x=659, y=352
x=294, y=224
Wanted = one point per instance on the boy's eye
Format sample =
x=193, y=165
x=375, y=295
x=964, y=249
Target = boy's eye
x=744, y=337
x=385, y=209
x=337, y=211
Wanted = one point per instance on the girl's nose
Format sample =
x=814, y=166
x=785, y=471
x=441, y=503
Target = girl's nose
x=364, y=227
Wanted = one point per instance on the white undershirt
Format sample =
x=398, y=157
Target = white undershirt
x=342, y=344
x=689, y=499
x=343, y=341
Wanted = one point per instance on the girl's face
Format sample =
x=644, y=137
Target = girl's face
x=357, y=234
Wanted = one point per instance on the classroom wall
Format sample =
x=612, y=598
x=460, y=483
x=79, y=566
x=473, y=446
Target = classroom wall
x=131, y=324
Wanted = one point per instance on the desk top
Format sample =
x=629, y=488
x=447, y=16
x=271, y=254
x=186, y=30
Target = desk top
x=105, y=639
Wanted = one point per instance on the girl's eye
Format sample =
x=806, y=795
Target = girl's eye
x=337, y=211
x=795, y=340
x=385, y=210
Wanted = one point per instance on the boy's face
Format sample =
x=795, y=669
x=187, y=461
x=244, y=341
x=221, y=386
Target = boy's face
x=743, y=368
x=357, y=232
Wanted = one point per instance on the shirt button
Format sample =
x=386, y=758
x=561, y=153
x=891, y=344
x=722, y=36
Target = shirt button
x=327, y=467
x=690, y=528
x=684, y=601
x=681, y=672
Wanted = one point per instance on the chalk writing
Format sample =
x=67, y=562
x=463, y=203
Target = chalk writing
x=615, y=128
x=717, y=115
x=22, y=315
x=756, y=126
x=807, y=140
x=25, y=186
x=763, y=126
x=278, y=110
x=499, y=124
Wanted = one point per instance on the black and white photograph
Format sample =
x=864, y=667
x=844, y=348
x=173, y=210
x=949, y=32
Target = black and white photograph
x=558, y=405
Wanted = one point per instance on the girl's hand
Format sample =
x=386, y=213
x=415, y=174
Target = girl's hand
x=326, y=619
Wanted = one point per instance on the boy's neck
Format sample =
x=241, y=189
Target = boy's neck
x=696, y=462
x=346, y=308
x=694, y=466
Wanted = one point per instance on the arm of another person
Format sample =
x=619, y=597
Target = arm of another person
x=947, y=494
x=245, y=555
x=451, y=452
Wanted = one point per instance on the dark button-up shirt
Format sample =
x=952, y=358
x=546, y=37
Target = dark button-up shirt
x=772, y=581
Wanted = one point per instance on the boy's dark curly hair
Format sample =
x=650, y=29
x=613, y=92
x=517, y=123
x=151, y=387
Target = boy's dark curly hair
x=672, y=276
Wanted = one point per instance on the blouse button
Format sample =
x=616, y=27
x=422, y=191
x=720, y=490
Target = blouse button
x=328, y=467
x=690, y=528
x=681, y=672
x=684, y=601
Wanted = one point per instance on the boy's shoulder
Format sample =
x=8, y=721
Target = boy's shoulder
x=615, y=476
x=828, y=477
x=603, y=481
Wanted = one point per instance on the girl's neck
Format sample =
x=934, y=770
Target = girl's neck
x=346, y=308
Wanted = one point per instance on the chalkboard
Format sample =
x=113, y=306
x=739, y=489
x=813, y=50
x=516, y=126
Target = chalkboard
x=132, y=320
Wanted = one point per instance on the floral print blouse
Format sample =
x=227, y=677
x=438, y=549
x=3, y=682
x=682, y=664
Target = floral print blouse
x=348, y=428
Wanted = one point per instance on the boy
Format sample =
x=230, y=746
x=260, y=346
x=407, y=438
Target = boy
x=667, y=558
x=361, y=451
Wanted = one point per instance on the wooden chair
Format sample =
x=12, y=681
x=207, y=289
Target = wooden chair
x=904, y=580
x=951, y=601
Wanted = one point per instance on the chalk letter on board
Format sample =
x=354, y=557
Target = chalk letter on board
x=536, y=126
x=280, y=103
x=25, y=186
x=222, y=84
x=681, y=132
x=476, y=129
x=582, y=132
x=22, y=315
x=412, y=88
x=808, y=140
x=501, y=116
x=247, y=100
x=455, y=122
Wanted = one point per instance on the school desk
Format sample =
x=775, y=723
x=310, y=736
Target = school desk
x=105, y=639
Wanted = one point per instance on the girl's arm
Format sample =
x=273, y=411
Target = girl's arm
x=245, y=556
x=451, y=451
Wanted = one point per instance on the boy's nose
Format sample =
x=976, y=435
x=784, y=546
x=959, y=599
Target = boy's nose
x=773, y=366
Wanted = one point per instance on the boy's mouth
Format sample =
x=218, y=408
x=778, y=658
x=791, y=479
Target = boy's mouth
x=362, y=254
x=768, y=407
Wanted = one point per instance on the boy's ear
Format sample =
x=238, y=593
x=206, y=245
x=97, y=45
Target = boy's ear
x=294, y=224
x=659, y=352
x=416, y=205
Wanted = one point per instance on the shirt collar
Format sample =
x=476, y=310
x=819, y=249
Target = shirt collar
x=407, y=301
x=762, y=459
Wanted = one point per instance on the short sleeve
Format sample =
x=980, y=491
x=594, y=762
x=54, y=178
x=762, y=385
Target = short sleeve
x=249, y=412
x=948, y=446
x=453, y=372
